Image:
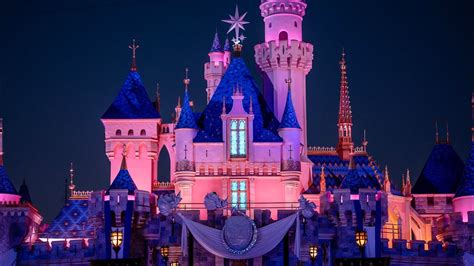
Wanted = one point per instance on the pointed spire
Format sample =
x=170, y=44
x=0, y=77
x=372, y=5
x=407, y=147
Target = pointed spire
x=322, y=181
x=123, y=166
x=24, y=193
x=71, y=178
x=158, y=100
x=352, y=165
x=387, y=184
x=344, y=123
x=216, y=44
x=186, y=80
x=251, y=105
x=223, y=106
x=407, y=187
x=1, y=141
x=186, y=117
x=134, y=48
x=289, y=119
x=227, y=47
x=447, y=132
x=345, y=112
x=403, y=184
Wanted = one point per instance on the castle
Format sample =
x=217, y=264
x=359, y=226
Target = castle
x=249, y=146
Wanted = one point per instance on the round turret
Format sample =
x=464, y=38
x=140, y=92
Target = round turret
x=283, y=19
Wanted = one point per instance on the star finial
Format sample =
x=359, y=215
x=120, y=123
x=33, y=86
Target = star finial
x=134, y=48
x=237, y=23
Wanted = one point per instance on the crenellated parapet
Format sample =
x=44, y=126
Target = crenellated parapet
x=284, y=55
x=405, y=252
x=340, y=206
x=272, y=7
x=58, y=252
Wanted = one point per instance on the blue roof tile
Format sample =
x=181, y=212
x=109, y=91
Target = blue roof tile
x=366, y=173
x=441, y=173
x=187, y=118
x=6, y=185
x=265, y=125
x=466, y=186
x=71, y=221
x=289, y=119
x=132, y=101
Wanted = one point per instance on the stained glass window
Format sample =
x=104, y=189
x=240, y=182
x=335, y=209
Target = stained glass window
x=238, y=138
x=239, y=194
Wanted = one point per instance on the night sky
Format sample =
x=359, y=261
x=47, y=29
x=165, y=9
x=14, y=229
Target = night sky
x=63, y=63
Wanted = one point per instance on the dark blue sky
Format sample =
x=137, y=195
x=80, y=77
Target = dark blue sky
x=63, y=62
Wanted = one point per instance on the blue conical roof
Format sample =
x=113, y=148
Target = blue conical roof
x=123, y=180
x=216, y=44
x=442, y=172
x=289, y=119
x=186, y=117
x=466, y=186
x=265, y=125
x=132, y=101
x=227, y=47
x=6, y=185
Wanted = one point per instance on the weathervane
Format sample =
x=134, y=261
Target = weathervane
x=237, y=23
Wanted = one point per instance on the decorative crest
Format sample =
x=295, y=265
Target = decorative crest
x=237, y=23
x=124, y=158
x=134, y=48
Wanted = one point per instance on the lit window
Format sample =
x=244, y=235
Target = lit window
x=238, y=138
x=238, y=196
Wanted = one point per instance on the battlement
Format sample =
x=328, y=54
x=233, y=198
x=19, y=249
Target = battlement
x=312, y=150
x=292, y=54
x=272, y=7
x=238, y=169
x=80, y=194
x=419, y=248
x=340, y=205
x=167, y=128
x=60, y=252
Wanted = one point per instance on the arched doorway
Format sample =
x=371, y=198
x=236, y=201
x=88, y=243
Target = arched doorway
x=164, y=165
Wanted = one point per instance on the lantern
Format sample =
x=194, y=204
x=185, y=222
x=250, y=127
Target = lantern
x=165, y=252
x=116, y=237
x=361, y=238
x=313, y=252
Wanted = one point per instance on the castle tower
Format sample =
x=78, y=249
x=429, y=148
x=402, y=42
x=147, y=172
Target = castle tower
x=284, y=54
x=290, y=132
x=185, y=131
x=344, y=124
x=215, y=68
x=131, y=122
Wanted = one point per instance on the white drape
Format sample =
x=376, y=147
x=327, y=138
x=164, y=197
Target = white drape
x=268, y=238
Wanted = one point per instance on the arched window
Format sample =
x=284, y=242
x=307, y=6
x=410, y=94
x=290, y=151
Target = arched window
x=143, y=133
x=296, y=24
x=270, y=25
x=283, y=36
x=130, y=132
x=118, y=132
x=238, y=138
